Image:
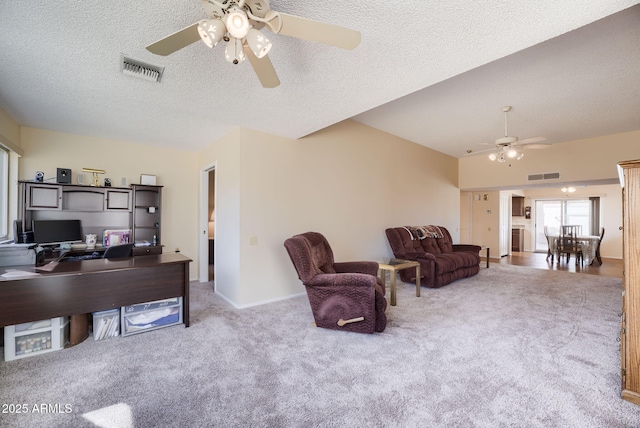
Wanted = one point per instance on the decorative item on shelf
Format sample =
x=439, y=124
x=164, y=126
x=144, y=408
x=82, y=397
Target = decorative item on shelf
x=39, y=178
x=107, y=182
x=91, y=240
x=95, y=173
x=63, y=175
x=148, y=179
x=116, y=237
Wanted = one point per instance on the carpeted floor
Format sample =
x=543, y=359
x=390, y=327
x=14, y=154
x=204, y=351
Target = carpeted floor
x=510, y=347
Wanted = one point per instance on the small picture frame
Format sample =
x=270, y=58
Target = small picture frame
x=148, y=179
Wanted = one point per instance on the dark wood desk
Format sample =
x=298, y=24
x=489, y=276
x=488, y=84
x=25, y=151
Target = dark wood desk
x=93, y=285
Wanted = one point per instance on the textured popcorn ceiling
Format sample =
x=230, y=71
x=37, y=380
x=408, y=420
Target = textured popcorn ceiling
x=433, y=72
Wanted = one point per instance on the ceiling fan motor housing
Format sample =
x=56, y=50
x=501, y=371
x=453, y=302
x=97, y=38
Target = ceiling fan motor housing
x=506, y=140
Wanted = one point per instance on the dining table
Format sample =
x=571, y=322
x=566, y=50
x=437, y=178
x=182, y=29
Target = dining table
x=589, y=245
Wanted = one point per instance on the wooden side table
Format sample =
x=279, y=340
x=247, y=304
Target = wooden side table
x=394, y=265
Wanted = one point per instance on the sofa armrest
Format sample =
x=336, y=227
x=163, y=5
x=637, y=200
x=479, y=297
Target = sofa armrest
x=412, y=256
x=466, y=247
x=426, y=256
x=369, y=268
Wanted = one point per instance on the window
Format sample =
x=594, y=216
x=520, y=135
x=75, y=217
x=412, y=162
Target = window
x=4, y=194
x=553, y=213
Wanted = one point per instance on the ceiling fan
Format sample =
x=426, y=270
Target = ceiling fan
x=238, y=22
x=507, y=147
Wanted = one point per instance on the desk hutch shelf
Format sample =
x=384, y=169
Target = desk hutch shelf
x=98, y=208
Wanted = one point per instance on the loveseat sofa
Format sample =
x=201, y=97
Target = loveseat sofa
x=441, y=262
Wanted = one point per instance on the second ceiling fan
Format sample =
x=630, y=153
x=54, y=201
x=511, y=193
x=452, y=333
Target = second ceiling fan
x=238, y=22
x=507, y=147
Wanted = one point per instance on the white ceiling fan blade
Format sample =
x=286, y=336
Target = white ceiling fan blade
x=175, y=41
x=315, y=31
x=263, y=68
x=534, y=143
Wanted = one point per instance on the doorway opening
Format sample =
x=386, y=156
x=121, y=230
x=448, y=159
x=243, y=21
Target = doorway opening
x=207, y=232
x=211, y=230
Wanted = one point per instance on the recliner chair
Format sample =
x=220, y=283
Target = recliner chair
x=343, y=296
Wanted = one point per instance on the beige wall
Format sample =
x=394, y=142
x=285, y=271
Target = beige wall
x=348, y=181
x=175, y=170
x=485, y=220
x=580, y=160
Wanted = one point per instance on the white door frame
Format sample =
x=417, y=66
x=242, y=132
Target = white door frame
x=203, y=268
x=505, y=224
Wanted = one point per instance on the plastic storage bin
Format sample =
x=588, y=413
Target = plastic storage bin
x=35, y=338
x=106, y=324
x=151, y=315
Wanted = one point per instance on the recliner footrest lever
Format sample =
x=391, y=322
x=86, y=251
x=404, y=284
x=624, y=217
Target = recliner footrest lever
x=342, y=322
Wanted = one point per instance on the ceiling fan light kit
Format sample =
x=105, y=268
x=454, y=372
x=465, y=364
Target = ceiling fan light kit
x=211, y=31
x=258, y=43
x=508, y=147
x=234, y=52
x=238, y=23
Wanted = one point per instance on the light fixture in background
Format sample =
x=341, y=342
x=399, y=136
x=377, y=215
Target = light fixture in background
x=234, y=52
x=506, y=152
x=211, y=31
x=238, y=23
x=568, y=189
x=258, y=43
x=514, y=154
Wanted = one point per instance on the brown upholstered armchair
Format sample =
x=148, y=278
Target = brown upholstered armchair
x=343, y=296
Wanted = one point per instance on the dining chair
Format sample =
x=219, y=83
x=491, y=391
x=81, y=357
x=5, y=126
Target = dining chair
x=552, y=236
x=598, y=247
x=568, y=243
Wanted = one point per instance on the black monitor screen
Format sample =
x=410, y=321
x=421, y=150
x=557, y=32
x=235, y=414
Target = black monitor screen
x=56, y=231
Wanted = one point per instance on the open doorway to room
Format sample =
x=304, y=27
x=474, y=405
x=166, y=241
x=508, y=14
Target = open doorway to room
x=207, y=221
x=211, y=212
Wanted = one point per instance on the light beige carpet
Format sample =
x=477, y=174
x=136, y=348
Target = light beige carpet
x=510, y=347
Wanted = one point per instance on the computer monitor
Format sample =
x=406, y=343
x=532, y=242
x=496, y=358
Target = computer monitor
x=55, y=232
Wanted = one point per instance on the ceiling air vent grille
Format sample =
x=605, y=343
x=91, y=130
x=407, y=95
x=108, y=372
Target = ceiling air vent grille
x=135, y=68
x=544, y=176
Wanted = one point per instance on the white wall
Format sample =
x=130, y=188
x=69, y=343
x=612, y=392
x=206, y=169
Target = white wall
x=349, y=182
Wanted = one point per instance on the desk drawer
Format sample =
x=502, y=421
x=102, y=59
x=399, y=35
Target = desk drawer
x=145, y=251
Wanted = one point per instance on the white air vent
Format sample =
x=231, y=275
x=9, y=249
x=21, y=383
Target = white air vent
x=544, y=176
x=135, y=68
